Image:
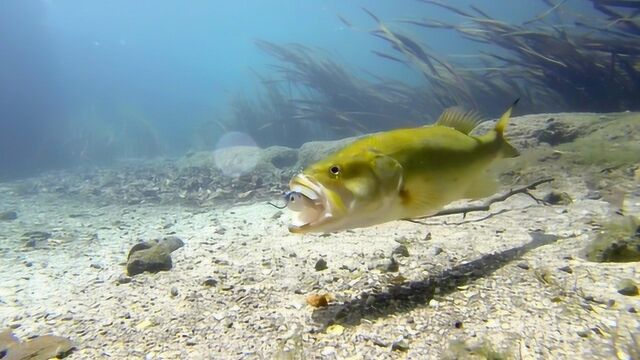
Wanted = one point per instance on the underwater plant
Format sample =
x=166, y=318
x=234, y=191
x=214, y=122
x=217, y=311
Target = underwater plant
x=326, y=95
x=581, y=64
x=98, y=134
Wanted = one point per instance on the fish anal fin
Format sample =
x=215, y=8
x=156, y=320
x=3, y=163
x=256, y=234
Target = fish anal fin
x=463, y=121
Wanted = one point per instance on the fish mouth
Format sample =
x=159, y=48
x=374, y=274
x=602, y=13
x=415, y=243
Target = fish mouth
x=318, y=208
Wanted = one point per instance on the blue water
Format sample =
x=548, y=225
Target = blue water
x=66, y=66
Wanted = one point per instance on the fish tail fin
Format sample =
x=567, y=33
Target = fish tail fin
x=504, y=119
x=508, y=151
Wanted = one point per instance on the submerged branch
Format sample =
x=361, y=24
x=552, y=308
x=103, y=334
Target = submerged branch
x=486, y=205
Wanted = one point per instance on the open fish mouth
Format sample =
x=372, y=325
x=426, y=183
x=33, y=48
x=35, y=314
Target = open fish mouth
x=309, y=204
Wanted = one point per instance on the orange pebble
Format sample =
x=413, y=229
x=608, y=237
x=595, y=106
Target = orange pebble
x=316, y=300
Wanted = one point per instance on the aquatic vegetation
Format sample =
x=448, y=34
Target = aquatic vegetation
x=574, y=63
x=101, y=135
x=314, y=97
x=580, y=64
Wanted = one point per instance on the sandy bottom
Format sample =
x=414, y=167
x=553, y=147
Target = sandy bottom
x=512, y=280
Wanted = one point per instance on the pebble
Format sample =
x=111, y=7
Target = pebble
x=400, y=345
x=523, y=265
x=583, y=333
x=627, y=287
x=210, y=282
x=8, y=215
x=174, y=291
x=630, y=290
x=321, y=264
x=401, y=250
x=566, y=269
x=385, y=265
x=123, y=279
x=557, y=198
x=436, y=250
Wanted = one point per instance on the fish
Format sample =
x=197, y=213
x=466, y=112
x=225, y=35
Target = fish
x=399, y=174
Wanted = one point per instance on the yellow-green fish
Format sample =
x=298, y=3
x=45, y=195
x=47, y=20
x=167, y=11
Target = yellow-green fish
x=399, y=174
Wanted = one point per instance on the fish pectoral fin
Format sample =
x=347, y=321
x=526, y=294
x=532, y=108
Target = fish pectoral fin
x=482, y=187
x=420, y=201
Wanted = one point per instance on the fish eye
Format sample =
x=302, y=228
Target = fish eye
x=334, y=170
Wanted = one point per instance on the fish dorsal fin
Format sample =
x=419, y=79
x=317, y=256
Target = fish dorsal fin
x=463, y=121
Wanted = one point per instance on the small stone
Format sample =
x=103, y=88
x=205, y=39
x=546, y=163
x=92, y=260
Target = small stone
x=123, y=279
x=583, y=333
x=145, y=324
x=566, y=269
x=436, y=250
x=457, y=324
x=227, y=287
x=385, y=265
x=632, y=310
x=328, y=352
x=318, y=300
x=191, y=342
x=401, y=250
x=95, y=266
x=400, y=345
x=628, y=288
x=523, y=265
x=321, y=264
x=210, y=282
x=594, y=195
x=8, y=215
x=335, y=329
x=35, y=238
x=174, y=291
x=378, y=341
x=557, y=198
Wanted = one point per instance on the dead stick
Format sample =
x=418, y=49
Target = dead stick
x=487, y=204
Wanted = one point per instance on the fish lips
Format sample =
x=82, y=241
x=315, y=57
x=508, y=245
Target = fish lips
x=313, y=216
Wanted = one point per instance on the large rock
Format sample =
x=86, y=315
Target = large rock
x=152, y=256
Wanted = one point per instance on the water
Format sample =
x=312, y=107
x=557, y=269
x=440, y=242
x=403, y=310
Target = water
x=131, y=122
